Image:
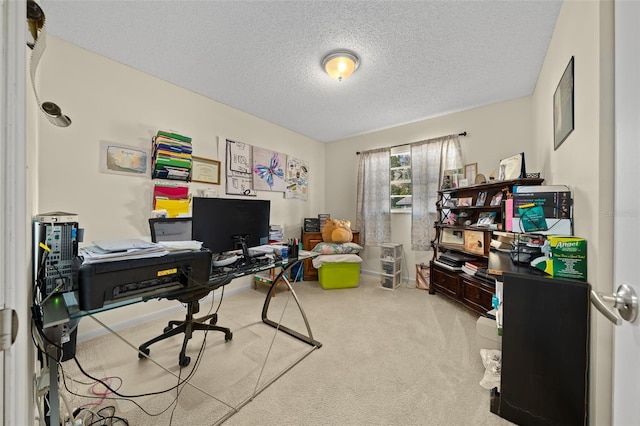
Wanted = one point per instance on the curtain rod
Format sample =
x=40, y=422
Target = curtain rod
x=403, y=144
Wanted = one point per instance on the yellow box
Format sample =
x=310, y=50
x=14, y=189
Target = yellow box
x=333, y=275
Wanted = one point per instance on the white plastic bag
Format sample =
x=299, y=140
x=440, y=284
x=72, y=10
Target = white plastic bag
x=492, y=361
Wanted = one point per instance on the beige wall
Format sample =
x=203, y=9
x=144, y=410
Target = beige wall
x=108, y=101
x=493, y=132
x=584, y=161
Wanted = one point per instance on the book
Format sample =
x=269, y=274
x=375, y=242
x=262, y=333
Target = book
x=554, y=204
x=508, y=214
x=468, y=270
x=532, y=218
x=475, y=265
x=174, y=136
x=171, y=157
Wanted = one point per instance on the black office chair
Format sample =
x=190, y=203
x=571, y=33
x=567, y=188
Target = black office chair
x=179, y=229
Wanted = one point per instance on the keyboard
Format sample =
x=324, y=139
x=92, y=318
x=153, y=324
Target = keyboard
x=224, y=260
x=241, y=267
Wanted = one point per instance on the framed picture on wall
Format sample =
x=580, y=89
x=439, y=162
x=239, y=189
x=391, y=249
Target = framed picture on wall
x=205, y=170
x=123, y=159
x=563, y=121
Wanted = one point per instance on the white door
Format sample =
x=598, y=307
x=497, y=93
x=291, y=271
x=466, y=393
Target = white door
x=15, y=365
x=626, y=385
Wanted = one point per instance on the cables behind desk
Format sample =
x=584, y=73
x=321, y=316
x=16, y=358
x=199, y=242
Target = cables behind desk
x=41, y=340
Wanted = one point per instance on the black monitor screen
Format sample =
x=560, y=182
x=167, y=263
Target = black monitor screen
x=222, y=223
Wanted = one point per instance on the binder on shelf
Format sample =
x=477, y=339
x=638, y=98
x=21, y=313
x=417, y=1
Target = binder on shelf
x=555, y=200
x=171, y=156
x=173, y=199
x=543, y=209
x=177, y=136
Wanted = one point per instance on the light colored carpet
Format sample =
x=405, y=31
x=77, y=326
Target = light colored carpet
x=400, y=357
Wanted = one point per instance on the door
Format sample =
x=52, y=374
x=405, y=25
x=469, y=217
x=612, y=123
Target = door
x=626, y=361
x=16, y=363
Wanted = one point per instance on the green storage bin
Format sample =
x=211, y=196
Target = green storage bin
x=339, y=275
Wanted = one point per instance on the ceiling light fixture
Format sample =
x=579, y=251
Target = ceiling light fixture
x=340, y=64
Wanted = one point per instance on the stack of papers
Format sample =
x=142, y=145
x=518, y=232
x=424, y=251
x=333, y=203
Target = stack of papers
x=191, y=245
x=115, y=250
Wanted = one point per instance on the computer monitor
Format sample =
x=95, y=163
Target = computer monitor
x=225, y=224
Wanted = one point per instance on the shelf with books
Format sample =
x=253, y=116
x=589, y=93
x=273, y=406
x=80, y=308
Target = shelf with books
x=466, y=218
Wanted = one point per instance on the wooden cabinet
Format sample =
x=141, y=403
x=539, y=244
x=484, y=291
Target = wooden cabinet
x=309, y=241
x=445, y=281
x=474, y=294
x=459, y=211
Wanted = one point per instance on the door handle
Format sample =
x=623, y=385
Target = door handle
x=624, y=300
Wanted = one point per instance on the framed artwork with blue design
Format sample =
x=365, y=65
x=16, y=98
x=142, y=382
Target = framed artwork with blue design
x=269, y=170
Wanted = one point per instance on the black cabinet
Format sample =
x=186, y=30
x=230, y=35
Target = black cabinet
x=545, y=351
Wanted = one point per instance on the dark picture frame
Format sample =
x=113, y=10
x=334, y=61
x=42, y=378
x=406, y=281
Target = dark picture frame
x=563, y=119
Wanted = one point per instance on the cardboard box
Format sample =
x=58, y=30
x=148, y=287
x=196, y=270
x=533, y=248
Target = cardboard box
x=567, y=258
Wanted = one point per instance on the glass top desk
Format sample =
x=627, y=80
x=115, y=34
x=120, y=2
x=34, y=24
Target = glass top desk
x=62, y=308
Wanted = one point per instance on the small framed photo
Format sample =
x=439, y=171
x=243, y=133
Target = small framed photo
x=470, y=172
x=465, y=202
x=451, y=202
x=451, y=219
x=205, y=170
x=482, y=198
x=486, y=218
x=512, y=167
x=452, y=236
x=496, y=199
x=450, y=178
x=463, y=182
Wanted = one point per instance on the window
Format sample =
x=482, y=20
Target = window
x=400, y=173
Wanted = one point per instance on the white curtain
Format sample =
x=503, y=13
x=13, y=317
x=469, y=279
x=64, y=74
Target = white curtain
x=429, y=160
x=373, y=214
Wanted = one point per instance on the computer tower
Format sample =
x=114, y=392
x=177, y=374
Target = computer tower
x=55, y=246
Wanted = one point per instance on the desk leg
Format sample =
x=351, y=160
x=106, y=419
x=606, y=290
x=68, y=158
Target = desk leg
x=305, y=338
x=53, y=354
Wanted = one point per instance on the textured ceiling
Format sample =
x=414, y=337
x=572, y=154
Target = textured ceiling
x=419, y=59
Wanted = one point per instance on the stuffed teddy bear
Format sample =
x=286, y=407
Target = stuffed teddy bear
x=337, y=231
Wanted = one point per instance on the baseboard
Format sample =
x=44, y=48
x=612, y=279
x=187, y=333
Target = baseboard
x=92, y=334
